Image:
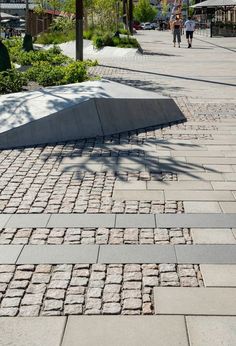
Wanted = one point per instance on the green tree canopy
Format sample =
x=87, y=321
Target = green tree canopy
x=144, y=12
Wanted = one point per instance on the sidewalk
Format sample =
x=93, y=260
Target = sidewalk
x=129, y=239
x=201, y=72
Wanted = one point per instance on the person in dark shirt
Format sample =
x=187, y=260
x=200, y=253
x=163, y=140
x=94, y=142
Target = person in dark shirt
x=176, y=29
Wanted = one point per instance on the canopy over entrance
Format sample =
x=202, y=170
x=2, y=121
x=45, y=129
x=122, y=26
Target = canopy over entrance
x=215, y=3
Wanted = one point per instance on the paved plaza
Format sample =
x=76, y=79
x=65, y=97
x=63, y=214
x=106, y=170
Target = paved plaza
x=129, y=239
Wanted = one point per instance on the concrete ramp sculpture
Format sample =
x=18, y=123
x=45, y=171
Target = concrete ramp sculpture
x=71, y=112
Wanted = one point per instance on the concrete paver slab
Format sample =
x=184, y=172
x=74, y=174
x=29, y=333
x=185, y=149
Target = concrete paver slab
x=218, y=168
x=206, y=254
x=134, y=220
x=180, y=167
x=218, y=275
x=195, y=301
x=9, y=253
x=230, y=176
x=28, y=220
x=130, y=185
x=212, y=160
x=136, y=254
x=125, y=330
x=82, y=220
x=197, y=153
x=224, y=185
x=3, y=219
x=179, y=185
x=138, y=195
x=196, y=195
x=228, y=207
x=202, y=207
x=34, y=331
x=211, y=330
x=234, y=232
x=212, y=236
x=196, y=220
x=129, y=160
x=199, y=176
x=58, y=254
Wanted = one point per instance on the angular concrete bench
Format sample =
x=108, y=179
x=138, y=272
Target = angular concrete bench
x=71, y=112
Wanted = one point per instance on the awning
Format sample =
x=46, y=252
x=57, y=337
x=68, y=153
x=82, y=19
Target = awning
x=4, y=15
x=215, y=3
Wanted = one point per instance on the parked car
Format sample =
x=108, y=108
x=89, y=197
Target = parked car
x=147, y=26
x=154, y=26
x=137, y=26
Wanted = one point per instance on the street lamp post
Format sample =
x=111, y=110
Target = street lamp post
x=79, y=30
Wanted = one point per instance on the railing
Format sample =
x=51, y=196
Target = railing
x=203, y=29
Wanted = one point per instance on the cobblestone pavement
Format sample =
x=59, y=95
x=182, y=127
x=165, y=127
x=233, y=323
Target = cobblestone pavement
x=31, y=180
x=99, y=236
x=34, y=180
x=49, y=290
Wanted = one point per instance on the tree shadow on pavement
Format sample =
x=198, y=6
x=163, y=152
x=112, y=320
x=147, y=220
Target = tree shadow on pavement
x=122, y=153
x=144, y=85
x=16, y=111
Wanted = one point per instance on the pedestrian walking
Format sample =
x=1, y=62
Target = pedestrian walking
x=176, y=29
x=190, y=27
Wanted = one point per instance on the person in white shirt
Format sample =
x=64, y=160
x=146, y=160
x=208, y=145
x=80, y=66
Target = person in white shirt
x=190, y=27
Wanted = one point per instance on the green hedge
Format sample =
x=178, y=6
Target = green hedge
x=99, y=39
x=56, y=37
x=108, y=39
x=12, y=81
x=21, y=57
x=47, y=68
x=46, y=74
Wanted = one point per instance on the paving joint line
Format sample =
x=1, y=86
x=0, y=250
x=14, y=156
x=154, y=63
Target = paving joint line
x=187, y=333
x=98, y=254
x=48, y=221
x=19, y=254
x=63, y=331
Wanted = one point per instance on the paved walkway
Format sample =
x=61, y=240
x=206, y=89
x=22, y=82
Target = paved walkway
x=141, y=225
x=200, y=72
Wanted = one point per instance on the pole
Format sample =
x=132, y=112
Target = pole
x=124, y=11
x=79, y=30
x=27, y=26
x=0, y=22
x=187, y=9
x=131, y=16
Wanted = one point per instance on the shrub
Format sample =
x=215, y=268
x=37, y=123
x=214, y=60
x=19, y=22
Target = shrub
x=88, y=34
x=108, y=39
x=125, y=42
x=62, y=24
x=5, y=62
x=45, y=74
x=124, y=31
x=56, y=37
x=102, y=40
x=75, y=72
x=12, y=81
x=52, y=55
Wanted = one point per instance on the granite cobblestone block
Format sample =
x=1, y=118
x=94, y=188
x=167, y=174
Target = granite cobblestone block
x=89, y=288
